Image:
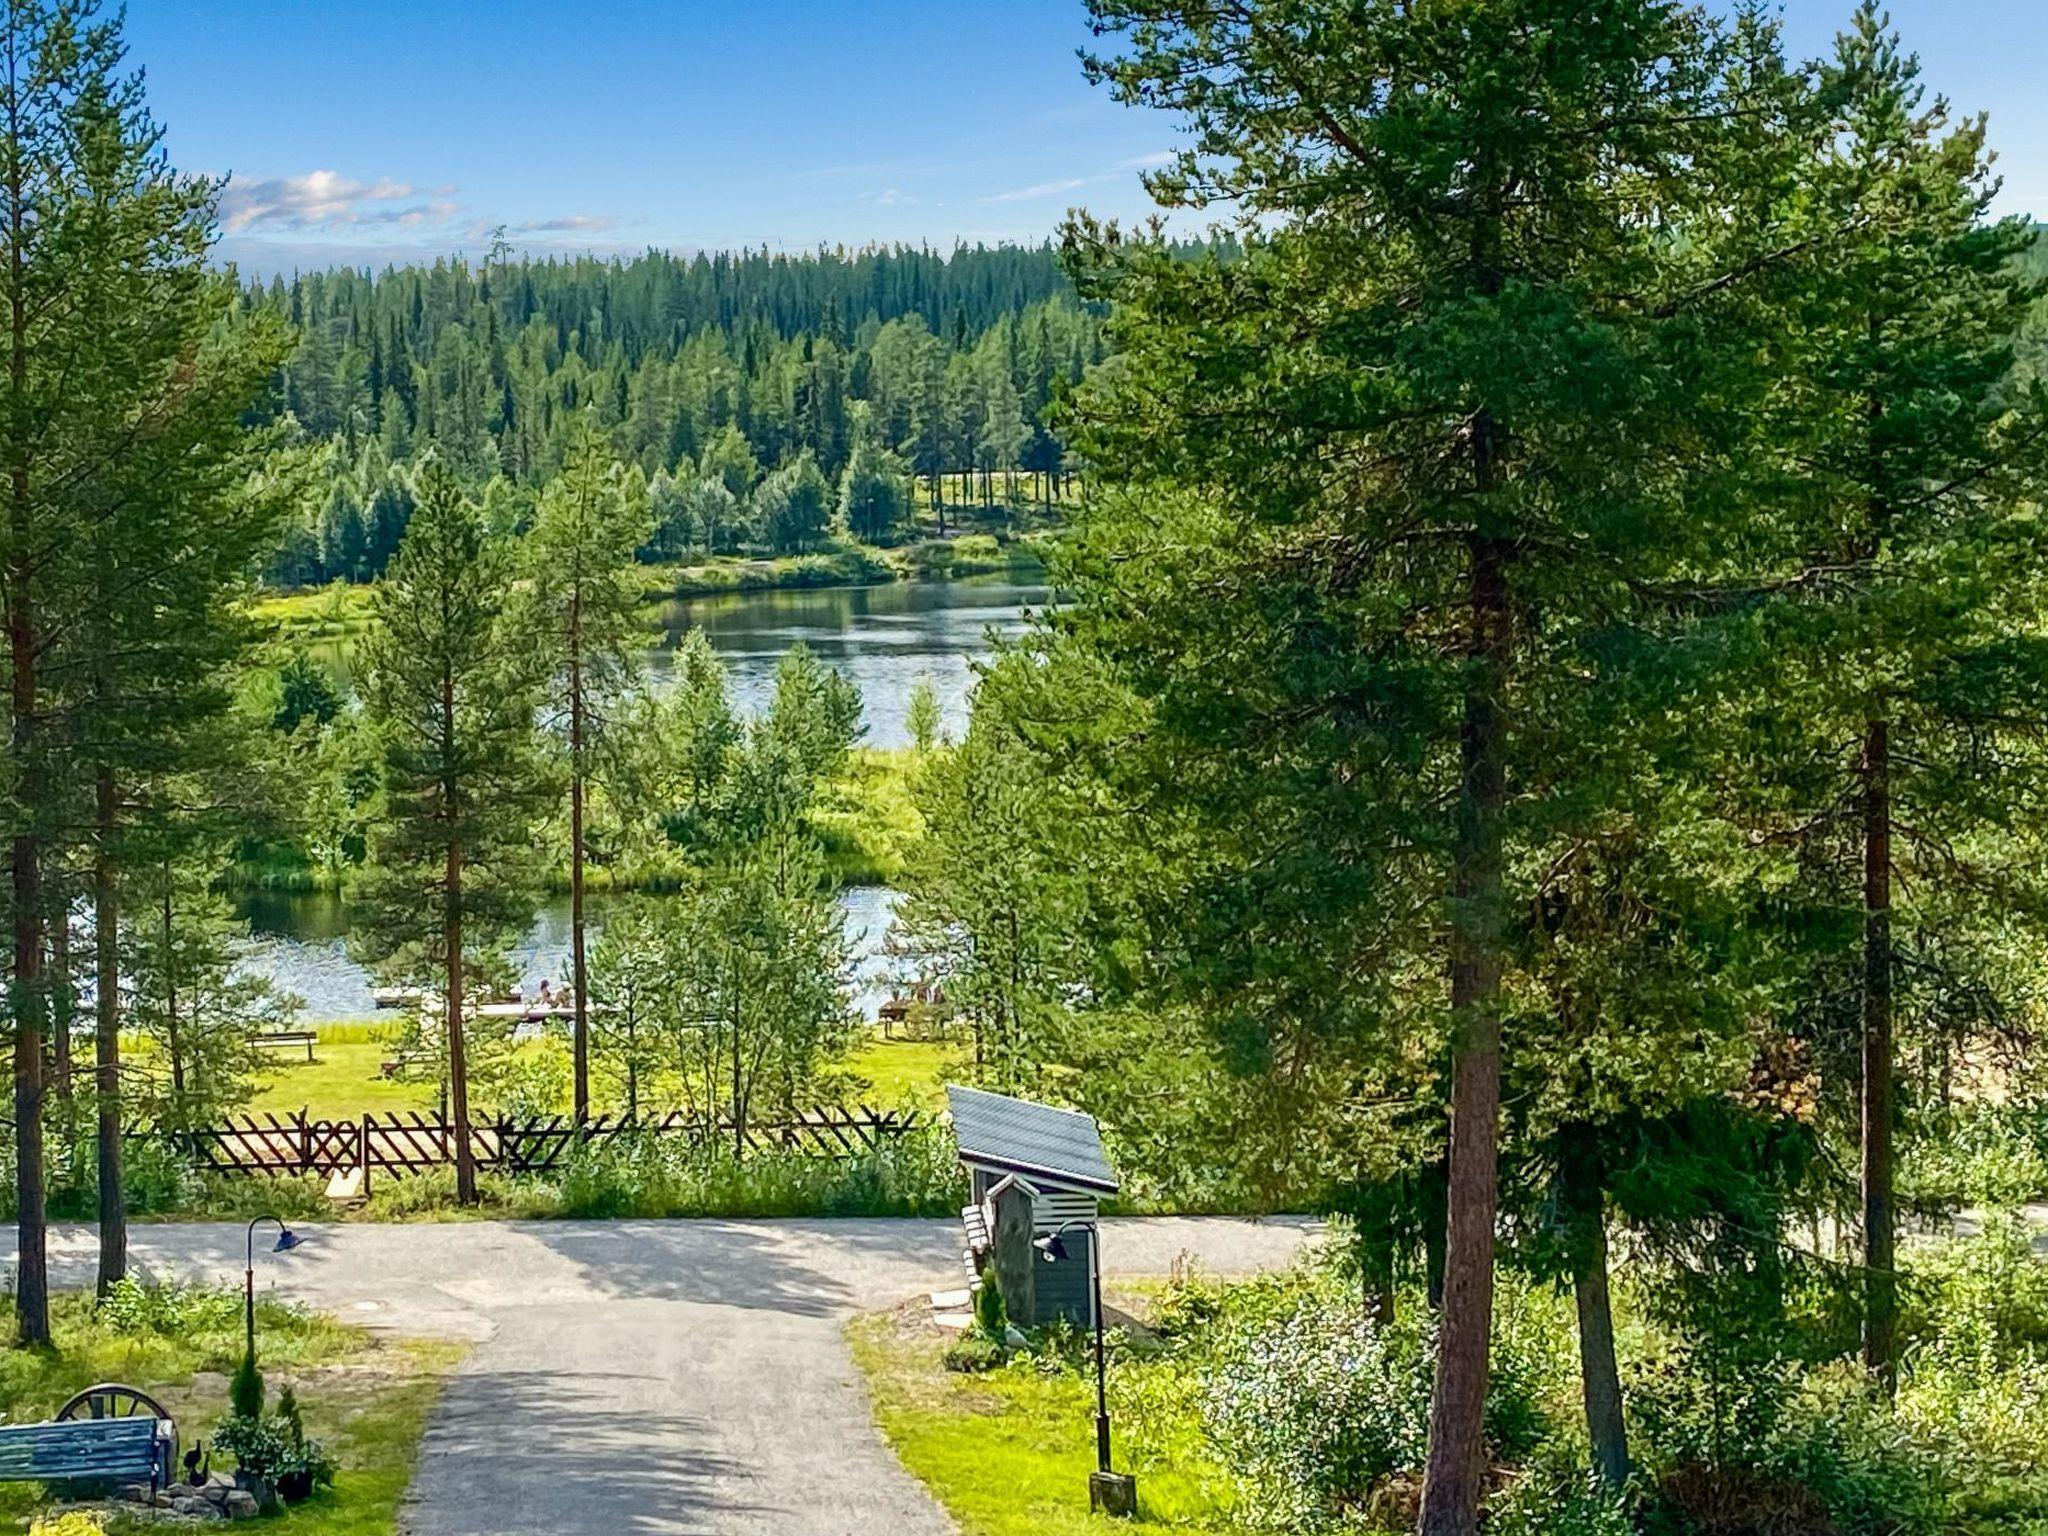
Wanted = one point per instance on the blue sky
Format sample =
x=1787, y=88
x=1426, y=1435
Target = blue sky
x=375, y=130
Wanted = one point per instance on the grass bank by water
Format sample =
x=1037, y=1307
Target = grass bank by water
x=345, y=1078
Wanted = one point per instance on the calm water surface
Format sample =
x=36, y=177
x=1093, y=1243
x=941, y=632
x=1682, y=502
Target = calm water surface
x=885, y=639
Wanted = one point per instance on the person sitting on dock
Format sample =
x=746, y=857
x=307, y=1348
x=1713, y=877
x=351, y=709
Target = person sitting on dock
x=546, y=998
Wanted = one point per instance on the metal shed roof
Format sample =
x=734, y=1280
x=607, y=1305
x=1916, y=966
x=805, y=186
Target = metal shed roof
x=1059, y=1145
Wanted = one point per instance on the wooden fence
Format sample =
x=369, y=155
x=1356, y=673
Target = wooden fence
x=269, y=1146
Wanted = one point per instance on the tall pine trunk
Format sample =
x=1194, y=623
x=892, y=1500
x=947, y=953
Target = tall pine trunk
x=1880, y=1321
x=1455, y=1473
x=458, y=1064
x=171, y=1027
x=578, y=958
x=1585, y=1207
x=63, y=1000
x=32, y=1278
x=106, y=929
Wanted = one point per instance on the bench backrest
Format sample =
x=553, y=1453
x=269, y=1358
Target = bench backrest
x=99, y=1449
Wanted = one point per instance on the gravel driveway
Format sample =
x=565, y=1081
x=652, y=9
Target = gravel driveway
x=650, y=1377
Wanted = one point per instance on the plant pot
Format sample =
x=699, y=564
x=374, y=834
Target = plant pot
x=259, y=1488
x=295, y=1486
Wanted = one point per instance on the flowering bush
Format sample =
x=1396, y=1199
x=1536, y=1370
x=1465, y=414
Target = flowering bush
x=1315, y=1410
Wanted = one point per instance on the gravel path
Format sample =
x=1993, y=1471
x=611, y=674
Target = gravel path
x=650, y=1377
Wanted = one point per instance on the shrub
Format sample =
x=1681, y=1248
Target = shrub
x=1316, y=1410
x=991, y=1318
x=258, y=1444
x=168, y=1311
x=245, y=1392
x=1559, y=1497
x=274, y=1447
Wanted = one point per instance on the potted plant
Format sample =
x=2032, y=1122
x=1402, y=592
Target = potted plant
x=259, y=1447
x=305, y=1464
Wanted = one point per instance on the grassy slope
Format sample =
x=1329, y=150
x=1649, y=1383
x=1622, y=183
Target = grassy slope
x=1008, y=1454
x=367, y=1398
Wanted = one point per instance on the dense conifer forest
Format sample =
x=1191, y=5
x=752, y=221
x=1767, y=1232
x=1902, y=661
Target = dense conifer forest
x=723, y=367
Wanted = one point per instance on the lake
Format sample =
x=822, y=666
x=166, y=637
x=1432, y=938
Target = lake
x=885, y=639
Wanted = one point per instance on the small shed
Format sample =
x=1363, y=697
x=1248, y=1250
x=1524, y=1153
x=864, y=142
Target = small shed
x=1034, y=1169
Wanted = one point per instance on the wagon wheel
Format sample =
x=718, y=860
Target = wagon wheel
x=112, y=1400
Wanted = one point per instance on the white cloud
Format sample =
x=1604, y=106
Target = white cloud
x=280, y=222
x=1043, y=189
x=1075, y=183
x=568, y=224
x=888, y=197
x=329, y=200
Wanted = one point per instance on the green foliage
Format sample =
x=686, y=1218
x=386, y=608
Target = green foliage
x=170, y=1311
x=975, y=1352
x=921, y=716
x=655, y=1178
x=991, y=1317
x=245, y=1392
x=955, y=367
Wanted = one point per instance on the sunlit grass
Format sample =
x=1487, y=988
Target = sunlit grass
x=1009, y=1453
x=907, y=1074
x=868, y=820
x=367, y=1398
x=344, y=1080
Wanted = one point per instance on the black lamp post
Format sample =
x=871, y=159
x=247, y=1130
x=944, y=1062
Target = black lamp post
x=287, y=1240
x=1112, y=1492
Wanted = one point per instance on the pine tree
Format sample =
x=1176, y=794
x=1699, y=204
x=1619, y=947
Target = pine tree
x=450, y=688
x=1909, y=457
x=1365, y=632
x=583, y=608
x=125, y=379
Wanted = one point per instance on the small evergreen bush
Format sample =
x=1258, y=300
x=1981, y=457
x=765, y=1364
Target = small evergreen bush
x=991, y=1317
x=245, y=1392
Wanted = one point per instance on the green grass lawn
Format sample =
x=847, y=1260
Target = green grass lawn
x=342, y=1080
x=1009, y=1453
x=907, y=1074
x=367, y=1398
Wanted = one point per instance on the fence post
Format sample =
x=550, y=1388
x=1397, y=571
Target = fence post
x=305, y=1142
x=363, y=1150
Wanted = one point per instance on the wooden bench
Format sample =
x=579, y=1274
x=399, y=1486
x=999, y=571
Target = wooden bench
x=137, y=1450
x=287, y=1038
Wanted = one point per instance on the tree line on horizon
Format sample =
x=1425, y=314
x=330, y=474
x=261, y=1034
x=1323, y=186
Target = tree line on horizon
x=846, y=375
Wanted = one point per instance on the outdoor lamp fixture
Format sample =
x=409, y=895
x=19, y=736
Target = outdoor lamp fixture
x=1114, y=1493
x=287, y=1240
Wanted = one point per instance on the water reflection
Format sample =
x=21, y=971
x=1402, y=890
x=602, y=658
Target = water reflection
x=299, y=940
x=883, y=638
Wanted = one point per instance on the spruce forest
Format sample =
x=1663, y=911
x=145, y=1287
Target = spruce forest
x=719, y=367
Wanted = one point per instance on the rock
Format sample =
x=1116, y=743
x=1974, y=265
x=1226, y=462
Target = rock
x=139, y=1493
x=242, y=1506
x=196, y=1507
x=217, y=1489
